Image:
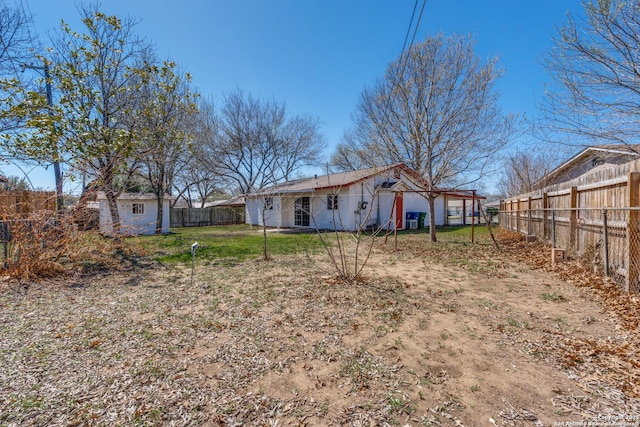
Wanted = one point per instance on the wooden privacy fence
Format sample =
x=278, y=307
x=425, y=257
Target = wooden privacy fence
x=596, y=216
x=22, y=203
x=200, y=217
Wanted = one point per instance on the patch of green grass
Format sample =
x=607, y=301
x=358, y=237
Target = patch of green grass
x=553, y=296
x=225, y=244
x=399, y=405
x=361, y=367
x=487, y=304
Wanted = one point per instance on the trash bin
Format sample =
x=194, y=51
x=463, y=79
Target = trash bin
x=411, y=215
x=421, y=218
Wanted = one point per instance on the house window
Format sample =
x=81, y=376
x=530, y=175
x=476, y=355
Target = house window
x=138, y=208
x=596, y=162
x=268, y=203
x=332, y=201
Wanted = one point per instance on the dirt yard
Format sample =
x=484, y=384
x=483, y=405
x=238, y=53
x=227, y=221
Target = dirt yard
x=451, y=335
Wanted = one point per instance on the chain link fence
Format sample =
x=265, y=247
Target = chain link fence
x=607, y=238
x=23, y=241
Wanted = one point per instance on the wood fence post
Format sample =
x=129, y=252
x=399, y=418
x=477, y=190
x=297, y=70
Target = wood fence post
x=518, y=215
x=511, y=215
x=633, y=232
x=545, y=216
x=529, y=217
x=573, y=218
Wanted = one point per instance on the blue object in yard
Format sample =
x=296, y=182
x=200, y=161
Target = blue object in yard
x=412, y=215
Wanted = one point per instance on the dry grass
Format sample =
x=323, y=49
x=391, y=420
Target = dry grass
x=39, y=246
x=447, y=334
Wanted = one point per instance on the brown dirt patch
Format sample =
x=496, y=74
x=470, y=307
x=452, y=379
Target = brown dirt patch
x=447, y=334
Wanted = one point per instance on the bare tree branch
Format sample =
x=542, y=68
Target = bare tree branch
x=595, y=65
x=436, y=111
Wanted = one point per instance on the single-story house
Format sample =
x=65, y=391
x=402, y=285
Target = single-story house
x=590, y=159
x=368, y=198
x=138, y=214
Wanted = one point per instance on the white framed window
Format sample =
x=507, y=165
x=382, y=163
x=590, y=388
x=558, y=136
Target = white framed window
x=332, y=201
x=268, y=203
x=137, y=208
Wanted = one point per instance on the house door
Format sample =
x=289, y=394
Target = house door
x=301, y=212
x=399, y=209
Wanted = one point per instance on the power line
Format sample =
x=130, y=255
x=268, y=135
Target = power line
x=406, y=37
x=413, y=37
x=415, y=31
x=30, y=16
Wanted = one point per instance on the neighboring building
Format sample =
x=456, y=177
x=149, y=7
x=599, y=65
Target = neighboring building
x=138, y=214
x=593, y=215
x=234, y=202
x=371, y=198
x=590, y=159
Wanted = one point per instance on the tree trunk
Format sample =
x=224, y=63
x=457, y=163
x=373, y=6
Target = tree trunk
x=115, y=214
x=432, y=218
x=265, y=247
x=160, y=199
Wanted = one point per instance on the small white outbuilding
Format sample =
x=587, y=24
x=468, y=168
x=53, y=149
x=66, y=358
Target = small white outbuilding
x=138, y=214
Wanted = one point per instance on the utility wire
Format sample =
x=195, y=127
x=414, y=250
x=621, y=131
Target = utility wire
x=413, y=37
x=406, y=37
x=36, y=36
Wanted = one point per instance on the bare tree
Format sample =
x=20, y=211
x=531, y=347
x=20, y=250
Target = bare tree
x=255, y=143
x=17, y=42
x=524, y=171
x=17, y=47
x=350, y=155
x=195, y=182
x=436, y=111
x=595, y=66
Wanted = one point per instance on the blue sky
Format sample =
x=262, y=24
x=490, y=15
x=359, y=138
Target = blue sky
x=317, y=56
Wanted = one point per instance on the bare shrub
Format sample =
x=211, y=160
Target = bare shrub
x=349, y=250
x=42, y=246
x=33, y=245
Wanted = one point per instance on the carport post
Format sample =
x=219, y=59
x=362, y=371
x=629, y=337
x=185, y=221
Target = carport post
x=473, y=215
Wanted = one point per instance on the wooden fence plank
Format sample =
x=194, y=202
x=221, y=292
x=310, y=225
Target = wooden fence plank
x=633, y=227
x=200, y=217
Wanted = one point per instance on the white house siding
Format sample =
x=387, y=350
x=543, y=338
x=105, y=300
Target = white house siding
x=285, y=211
x=325, y=218
x=252, y=211
x=362, y=192
x=383, y=205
